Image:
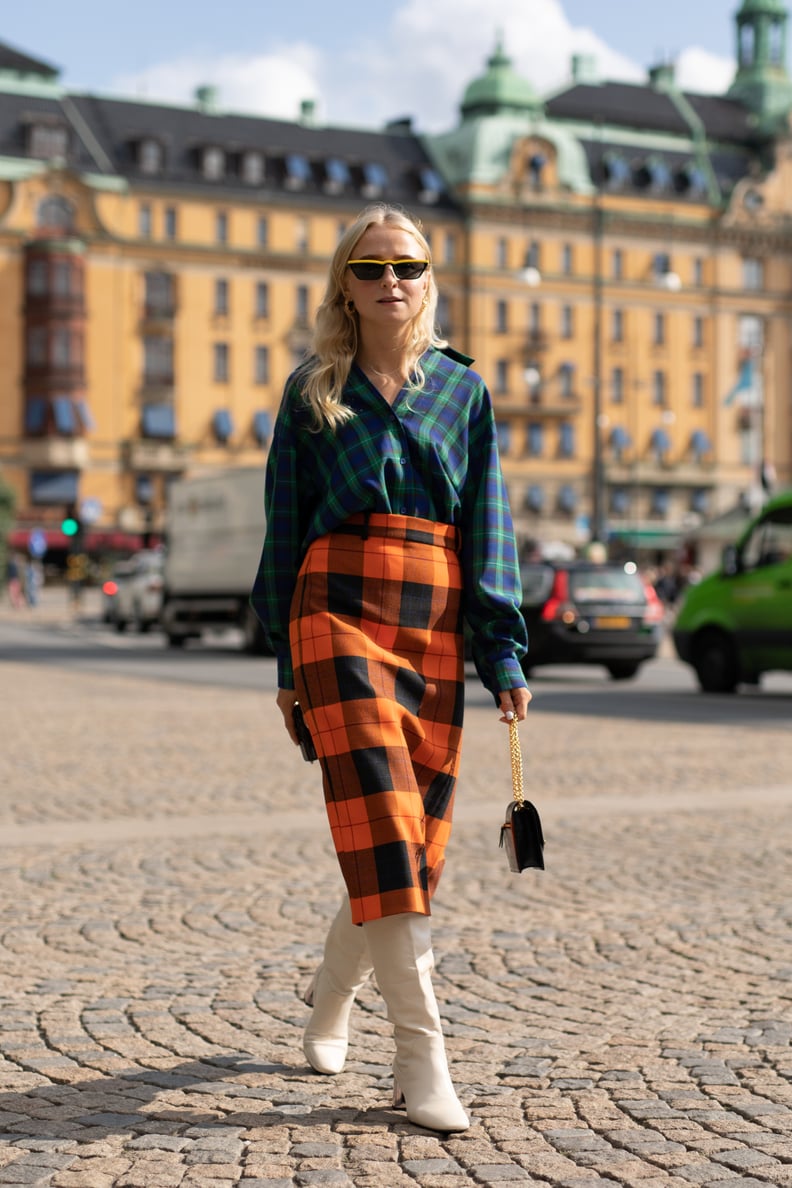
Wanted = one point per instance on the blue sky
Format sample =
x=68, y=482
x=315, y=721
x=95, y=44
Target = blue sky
x=362, y=63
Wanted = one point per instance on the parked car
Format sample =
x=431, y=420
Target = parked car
x=582, y=612
x=736, y=623
x=133, y=592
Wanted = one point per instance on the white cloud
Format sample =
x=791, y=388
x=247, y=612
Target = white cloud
x=419, y=67
x=271, y=84
x=699, y=70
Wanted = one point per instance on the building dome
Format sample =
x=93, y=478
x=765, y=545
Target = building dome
x=762, y=7
x=499, y=90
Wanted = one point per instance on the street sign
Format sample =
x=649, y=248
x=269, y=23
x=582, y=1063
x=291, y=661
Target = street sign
x=90, y=510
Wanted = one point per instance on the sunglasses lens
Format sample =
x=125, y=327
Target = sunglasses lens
x=367, y=270
x=372, y=270
x=409, y=269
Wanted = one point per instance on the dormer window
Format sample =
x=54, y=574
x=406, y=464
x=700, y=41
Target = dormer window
x=297, y=171
x=150, y=156
x=617, y=171
x=337, y=175
x=47, y=139
x=213, y=163
x=375, y=179
x=252, y=167
x=431, y=185
x=654, y=175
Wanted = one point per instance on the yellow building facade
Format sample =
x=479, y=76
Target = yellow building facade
x=621, y=278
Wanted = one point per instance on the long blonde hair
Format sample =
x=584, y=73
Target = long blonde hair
x=335, y=338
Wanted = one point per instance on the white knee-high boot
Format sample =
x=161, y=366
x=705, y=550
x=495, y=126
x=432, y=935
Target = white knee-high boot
x=401, y=950
x=345, y=968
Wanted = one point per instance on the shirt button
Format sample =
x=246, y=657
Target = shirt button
x=403, y=461
x=402, y=511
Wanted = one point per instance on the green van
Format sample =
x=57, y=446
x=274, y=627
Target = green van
x=737, y=623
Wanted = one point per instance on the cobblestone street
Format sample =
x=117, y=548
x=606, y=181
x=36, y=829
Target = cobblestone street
x=624, y=1017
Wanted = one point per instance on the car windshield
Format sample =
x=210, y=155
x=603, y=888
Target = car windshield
x=537, y=582
x=601, y=584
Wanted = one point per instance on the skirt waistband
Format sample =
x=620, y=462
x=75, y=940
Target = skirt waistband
x=396, y=527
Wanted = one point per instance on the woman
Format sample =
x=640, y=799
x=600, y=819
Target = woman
x=387, y=523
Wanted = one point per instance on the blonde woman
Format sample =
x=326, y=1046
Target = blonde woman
x=387, y=524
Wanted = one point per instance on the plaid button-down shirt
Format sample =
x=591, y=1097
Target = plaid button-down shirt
x=431, y=454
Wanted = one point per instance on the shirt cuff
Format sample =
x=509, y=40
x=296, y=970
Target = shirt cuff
x=508, y=674
x=285, y=673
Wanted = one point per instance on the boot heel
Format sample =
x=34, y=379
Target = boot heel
x=398, y=1096
x=310, y=990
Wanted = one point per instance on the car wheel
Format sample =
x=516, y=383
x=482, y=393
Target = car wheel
x=120, y=624
x=715, y=663
x=623, y=670
x=176, y=641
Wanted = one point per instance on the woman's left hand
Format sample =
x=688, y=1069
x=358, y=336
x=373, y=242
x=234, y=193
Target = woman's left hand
x=514, y=703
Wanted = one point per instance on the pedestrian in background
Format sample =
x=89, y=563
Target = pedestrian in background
x=387, y=523
x=14, y=582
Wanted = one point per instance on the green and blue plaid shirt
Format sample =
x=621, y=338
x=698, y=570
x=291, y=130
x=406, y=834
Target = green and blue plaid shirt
x=431, y=454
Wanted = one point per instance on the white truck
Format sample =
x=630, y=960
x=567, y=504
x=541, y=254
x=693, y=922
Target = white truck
x=214, y=534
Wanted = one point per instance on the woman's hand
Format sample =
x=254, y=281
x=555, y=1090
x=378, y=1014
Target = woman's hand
x=285, y=702
x=514, y=702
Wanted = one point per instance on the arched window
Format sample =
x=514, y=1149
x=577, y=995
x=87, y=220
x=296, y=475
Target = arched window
x=55, y=213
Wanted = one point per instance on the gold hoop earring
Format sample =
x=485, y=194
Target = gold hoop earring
x=349, y=306
x=425, y=301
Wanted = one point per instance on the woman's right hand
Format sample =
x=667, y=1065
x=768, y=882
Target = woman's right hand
x=285, y=702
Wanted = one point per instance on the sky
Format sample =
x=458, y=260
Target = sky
x=362, y=63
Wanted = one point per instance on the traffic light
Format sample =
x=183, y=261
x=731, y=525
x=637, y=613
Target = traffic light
x=70, y=526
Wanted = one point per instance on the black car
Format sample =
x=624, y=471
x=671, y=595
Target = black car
x=579, y=612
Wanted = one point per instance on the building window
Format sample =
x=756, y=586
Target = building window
x=567, y=499
x=37, y=278
x=301, y=304
x=617, y=326
x=55, y=213
x=617, y=264
x=157, y=359
x=444, y=314
x=659, y=332
x=262, y=299
x=449, y=248
x=619, y=501
x=567, y=321
x=38, y=346
x=501, y=317
x=144, y=220
x=158, y=294
x=535, y=318
x=213, y=163
x=697, y=394
x=47, y=141
x=617, y=385
x=262, y=231
x=159, y=421
x=150, y=156
x=752, y=274
x=501, y=253
x=297, y=171
x=566, y=379
x=502, y=376
x=220, y=362
x=375, y=179
x=61, y=347
x=566, y=440
x=222, y=425
x=336, y=176
x=567, y=259
x=221, y=297
x=535, y=440
x=252, y=168
x=301, y=241
x=533, y=500
x=62, y=278
x=171, y=222
x=221, y=227
x=261, y=373
x=661, y=265
x=698, y=332
x=659, y=501
x=503, y=430
x=698, y=272
x=659, y=388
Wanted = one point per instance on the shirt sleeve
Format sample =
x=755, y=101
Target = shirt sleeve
x=283, y=539
x=493, y=594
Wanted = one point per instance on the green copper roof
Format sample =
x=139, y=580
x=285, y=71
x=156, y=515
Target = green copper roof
x=762, y=7
x=499, y=90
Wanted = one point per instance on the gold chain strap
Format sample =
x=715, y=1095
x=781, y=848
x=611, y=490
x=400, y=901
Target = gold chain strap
x=516, y=763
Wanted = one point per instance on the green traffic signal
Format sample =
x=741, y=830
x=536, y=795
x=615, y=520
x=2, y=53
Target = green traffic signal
x=69, y=526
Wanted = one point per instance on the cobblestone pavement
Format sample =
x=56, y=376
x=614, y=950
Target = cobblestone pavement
x=624, y=1017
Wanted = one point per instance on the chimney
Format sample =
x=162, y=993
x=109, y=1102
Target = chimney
x=308, y=112
x=663, y=76
x=584, y=69
x=206, y=99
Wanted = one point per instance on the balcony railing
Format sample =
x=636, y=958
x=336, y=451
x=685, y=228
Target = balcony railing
x=56, y=453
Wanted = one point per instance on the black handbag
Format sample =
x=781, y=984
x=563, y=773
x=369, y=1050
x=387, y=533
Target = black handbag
x=521, y=833
x=303, y=734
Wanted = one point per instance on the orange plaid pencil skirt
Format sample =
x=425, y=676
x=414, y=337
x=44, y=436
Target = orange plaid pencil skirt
x=376, y=644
